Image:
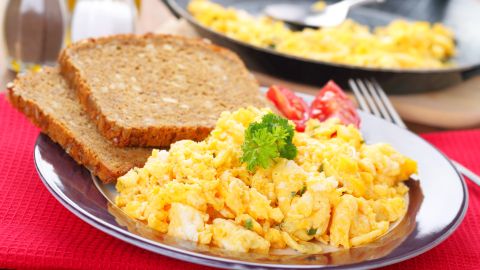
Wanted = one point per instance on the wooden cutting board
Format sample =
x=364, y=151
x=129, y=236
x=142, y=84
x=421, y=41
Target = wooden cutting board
x=452, y=108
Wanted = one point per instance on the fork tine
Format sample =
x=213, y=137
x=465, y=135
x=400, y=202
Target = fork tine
x=368, y=98
x=358, y=96
x=399, y=122
x=396, y=118
x=380, y=104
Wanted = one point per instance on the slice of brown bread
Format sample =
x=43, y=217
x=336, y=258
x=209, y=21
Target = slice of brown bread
x=46, y=99
x=153, y=90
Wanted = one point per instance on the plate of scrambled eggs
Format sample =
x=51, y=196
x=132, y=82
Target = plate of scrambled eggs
x=256, y=193
x=328, y=190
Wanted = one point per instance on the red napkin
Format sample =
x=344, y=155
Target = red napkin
x=36, y=231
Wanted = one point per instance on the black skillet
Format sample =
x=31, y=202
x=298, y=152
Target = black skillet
x=463, y=16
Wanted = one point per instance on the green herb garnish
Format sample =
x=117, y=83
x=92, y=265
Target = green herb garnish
x=267, y=140
x=311, y=231
x=301, y=191
x=320, y=168
x=248, y=224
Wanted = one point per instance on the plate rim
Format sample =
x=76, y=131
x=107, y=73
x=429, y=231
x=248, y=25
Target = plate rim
x=208, y=260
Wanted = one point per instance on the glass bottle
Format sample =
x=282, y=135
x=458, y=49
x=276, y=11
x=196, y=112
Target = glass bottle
x=95, y=18
x=34, y=32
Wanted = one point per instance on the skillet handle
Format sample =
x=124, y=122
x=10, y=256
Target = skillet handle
x=168, y=4
x=471, y=72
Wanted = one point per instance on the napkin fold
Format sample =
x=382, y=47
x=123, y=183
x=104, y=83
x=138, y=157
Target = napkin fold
x=36, y=231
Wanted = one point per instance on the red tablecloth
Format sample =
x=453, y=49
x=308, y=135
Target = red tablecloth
x=36, y=231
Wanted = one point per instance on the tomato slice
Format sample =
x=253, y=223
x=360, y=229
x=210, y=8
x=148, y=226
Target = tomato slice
x=290, y=105
x=331, y=102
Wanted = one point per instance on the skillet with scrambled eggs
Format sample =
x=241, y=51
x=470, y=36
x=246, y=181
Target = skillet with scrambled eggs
x=401, y=44
x=336, y=190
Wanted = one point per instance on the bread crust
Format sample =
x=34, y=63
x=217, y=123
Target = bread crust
x=160, y=136
x=60, y=134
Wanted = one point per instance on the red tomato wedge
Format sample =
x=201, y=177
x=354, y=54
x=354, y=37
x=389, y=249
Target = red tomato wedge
x=290, y=105
x=331, y=102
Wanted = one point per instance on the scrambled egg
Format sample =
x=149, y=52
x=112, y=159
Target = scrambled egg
x=318, y=6
x=338, y=190
x=400, y=44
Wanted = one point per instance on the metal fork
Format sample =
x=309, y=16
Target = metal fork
x=372, y=99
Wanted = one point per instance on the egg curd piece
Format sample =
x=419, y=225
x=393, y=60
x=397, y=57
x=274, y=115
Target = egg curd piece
x=188, y=223
x=337, y=191
x=230, y=236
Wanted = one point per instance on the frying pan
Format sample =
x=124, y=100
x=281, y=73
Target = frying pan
x=463, y=16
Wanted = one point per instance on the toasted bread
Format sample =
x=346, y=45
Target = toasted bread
x=153, y=90
x=45, y=98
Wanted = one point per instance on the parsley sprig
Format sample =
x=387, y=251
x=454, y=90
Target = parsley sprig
x=248, y=224
x=312, y=231
x=267, y=140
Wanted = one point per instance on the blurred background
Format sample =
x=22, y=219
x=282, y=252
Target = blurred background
x=54, y=23
x=34, y=31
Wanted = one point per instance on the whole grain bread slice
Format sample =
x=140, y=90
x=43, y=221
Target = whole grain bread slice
x=153, y=90
x=45, y=98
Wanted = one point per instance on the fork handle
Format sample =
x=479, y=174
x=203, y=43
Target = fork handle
x=466, y=172
x=352, y=3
